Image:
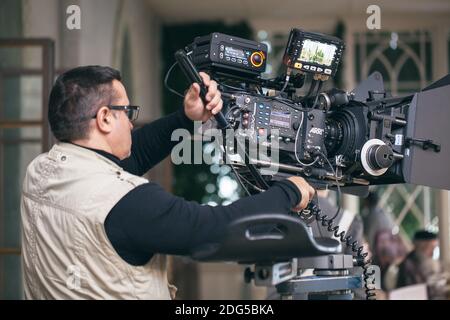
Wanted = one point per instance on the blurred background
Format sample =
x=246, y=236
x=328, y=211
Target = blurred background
x=411, y=49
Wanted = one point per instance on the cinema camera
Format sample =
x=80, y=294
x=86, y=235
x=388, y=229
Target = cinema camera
x=333, y=138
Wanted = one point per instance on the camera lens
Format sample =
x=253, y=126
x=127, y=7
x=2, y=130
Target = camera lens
x=333, y=135
x=343, y=132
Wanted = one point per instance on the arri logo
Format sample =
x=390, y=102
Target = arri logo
x=316, y=131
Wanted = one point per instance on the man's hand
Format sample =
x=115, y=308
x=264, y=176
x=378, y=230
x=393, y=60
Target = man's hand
x=305, y=189
x=193, y=104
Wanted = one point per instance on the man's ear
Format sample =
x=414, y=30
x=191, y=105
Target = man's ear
x=103, y=120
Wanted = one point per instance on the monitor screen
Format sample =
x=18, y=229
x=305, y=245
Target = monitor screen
x=235, y=53
x=317, y=52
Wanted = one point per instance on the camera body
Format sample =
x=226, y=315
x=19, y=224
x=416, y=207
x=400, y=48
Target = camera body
x=333, y=138
x=360, y=143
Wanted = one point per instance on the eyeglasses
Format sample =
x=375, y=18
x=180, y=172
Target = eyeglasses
x=131, y=111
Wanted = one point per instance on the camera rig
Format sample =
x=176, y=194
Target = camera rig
x=333, y=138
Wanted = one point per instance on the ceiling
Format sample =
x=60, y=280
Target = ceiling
x=177, y=11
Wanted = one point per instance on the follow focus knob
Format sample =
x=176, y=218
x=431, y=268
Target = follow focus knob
x=380, y=156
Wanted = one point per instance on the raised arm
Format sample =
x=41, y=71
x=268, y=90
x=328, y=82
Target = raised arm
x=152, y=143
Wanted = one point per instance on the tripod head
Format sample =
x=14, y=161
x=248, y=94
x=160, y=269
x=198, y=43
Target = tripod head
x=281, y=247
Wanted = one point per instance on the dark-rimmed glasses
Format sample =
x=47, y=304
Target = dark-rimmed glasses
x=131, y=111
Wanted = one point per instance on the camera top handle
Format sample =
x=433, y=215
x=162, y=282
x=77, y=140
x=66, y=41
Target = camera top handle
x=193, y=76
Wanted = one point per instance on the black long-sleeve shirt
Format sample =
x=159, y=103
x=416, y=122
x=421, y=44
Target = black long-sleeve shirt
x=149, y=220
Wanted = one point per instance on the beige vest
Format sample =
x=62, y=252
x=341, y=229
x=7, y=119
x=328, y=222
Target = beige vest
x=66, y=254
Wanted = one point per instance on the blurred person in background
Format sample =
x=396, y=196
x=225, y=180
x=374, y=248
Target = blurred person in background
x=422, y=266
x=388, y=251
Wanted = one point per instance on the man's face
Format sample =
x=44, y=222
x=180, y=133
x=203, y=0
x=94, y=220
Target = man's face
x=120, y=136
x=426, y=248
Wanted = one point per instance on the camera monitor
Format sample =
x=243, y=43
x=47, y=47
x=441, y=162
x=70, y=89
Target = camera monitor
x=313, y=52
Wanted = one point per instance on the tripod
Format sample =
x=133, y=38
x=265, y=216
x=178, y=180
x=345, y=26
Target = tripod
x=281, y=248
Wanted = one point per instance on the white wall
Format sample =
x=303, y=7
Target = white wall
x=100, y=41
x=144, y=31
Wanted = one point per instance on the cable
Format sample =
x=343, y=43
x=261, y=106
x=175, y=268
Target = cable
x=239, y=180
x=286, y=81
x=231, y=110
x=228, y=160
x=369, y=280
x=311, y=89
x=337, y=185
x=253, y=171
x=284, y=86
x=166, y=79
x=251, y=184
x=259, y=90
x=318, y=223
x=240, y=90
x=251, y=167
x=295, y=146
x=317, y=94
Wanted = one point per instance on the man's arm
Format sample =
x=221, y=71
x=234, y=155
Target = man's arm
x=152, y=143
x=150, y=220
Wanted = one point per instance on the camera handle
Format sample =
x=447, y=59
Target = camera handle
x=193, y=76
x=266, y=238
x=191, y=73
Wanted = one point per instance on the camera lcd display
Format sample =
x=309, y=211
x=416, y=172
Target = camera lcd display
x=317, y=52
x=280, y=119
x=235, y=53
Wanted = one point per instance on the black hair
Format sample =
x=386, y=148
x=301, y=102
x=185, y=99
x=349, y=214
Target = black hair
x=425, y=235
x=75, y=98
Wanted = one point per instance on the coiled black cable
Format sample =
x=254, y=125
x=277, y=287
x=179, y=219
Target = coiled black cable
x=361, y=255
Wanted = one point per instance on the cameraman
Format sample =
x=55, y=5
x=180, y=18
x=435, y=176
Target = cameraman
x=92, y=227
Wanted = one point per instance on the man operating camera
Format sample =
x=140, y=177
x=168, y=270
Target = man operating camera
x=92, y=227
